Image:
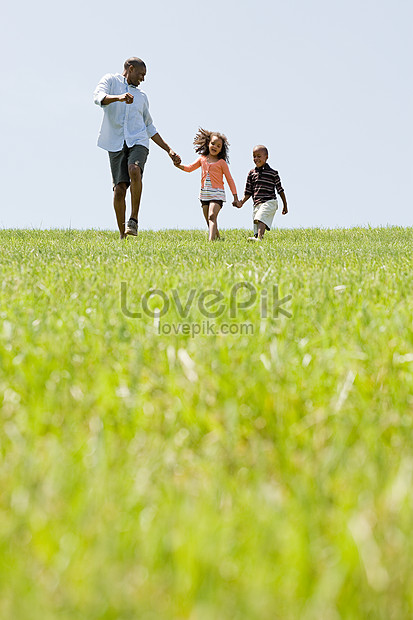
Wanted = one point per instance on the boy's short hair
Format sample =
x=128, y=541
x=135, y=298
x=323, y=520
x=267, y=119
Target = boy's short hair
x=261, y=147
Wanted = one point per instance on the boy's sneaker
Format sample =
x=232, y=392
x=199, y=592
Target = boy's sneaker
x=132, y=227
x=253, y=239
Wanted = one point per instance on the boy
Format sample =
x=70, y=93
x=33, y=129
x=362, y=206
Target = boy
x=262, y=182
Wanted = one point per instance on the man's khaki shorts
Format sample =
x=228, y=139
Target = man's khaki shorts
x=265, y=212
x=120, y=160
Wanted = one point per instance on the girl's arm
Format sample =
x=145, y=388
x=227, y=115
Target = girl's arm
x=230, y=182
x=229, y=178
x=191, y=167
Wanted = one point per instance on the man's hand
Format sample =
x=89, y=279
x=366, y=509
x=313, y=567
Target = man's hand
x=126, y=97
x=175, y=158
x=285, y=210
x=237, y=204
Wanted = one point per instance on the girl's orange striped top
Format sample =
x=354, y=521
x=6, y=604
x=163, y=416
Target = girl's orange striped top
x=216, y=171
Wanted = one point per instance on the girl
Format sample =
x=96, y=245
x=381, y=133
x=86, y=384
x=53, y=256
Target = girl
x=213, y=150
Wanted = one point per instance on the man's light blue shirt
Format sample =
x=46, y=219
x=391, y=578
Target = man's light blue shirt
x=123, y=122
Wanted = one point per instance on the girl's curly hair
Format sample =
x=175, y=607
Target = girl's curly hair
x=202, y=140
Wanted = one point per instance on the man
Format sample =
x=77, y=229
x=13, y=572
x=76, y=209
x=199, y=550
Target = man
x=125, y=132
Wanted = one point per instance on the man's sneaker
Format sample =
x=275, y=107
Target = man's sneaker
x=131, y=227
x=253, y=239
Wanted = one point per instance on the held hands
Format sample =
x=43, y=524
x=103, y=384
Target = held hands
x=237, y=203
x=175, y=158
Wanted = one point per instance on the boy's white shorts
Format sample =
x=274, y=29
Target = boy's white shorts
x=265, y=212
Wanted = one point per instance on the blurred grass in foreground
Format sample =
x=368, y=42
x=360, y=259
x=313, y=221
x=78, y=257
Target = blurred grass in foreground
x=249, y=475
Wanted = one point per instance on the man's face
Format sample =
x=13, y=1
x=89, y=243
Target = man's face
x=135, y=75
x=260, y=157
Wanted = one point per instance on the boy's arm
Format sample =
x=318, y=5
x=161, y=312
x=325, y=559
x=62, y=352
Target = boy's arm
x=284, y=199
x=280, y=192
x=247, y=192
x=244, y=200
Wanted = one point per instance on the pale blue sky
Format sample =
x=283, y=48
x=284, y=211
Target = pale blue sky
x=325, y=84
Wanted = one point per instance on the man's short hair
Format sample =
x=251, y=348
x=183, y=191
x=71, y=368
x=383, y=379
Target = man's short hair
x=135, y=62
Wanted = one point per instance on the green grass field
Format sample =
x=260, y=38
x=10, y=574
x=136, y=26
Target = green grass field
x=148, y=471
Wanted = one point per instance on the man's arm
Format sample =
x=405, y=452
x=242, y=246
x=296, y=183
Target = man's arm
x=126, y=97
x=102, y=95
x=160, y=142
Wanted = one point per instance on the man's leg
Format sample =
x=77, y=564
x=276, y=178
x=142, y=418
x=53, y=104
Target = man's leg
x=119, y=203
x=135, y=175
x=137, y=156
x=120, y=178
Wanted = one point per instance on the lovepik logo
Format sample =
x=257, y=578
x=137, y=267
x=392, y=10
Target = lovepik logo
x=155, y=303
